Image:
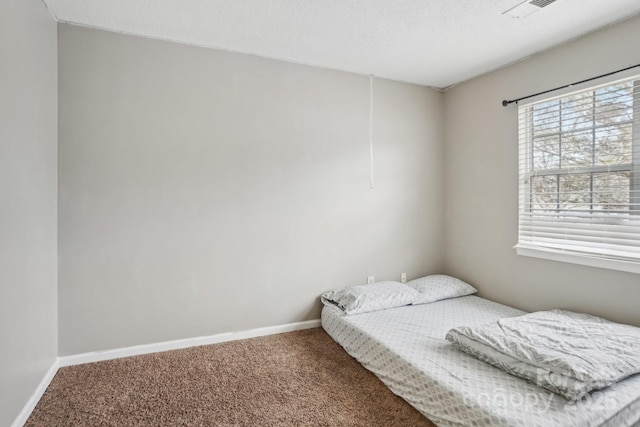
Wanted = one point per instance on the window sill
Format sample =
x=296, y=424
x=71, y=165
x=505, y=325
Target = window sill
x=573, y=258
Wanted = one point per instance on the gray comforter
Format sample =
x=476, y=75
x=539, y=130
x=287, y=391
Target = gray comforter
x=565, y=352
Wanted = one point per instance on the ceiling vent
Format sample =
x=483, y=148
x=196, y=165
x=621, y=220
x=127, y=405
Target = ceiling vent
x=526, y=8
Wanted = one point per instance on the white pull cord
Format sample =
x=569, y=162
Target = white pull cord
x=371, y=131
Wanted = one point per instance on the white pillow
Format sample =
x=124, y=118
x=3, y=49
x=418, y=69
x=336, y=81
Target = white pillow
x=438, y=287
x=376, y=296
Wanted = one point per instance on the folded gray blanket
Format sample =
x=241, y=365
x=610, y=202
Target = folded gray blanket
x=565, y=352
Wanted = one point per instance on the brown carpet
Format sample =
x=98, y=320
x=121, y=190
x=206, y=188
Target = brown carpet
x=300, y=378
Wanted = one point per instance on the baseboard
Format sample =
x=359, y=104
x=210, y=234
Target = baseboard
x=23, y=416
x=98, y=356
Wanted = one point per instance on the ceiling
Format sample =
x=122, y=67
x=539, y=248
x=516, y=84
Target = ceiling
x=429, y=42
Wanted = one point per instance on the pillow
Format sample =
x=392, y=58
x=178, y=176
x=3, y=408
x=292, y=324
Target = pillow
x=376, y=296
x=438, y=287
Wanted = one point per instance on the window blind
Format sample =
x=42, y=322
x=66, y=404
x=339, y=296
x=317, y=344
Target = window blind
x=579, y=172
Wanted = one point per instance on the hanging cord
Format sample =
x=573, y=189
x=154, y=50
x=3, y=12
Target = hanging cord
x=506, y=103
x=371, y=131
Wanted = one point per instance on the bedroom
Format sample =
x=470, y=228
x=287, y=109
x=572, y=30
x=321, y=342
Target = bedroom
x=110, y=244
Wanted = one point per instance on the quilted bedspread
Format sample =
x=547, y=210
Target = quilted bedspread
x=565, y=352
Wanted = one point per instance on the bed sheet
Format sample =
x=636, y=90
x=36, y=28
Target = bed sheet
x=406, y=349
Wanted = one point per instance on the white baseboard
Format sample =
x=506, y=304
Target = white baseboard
x=23, y=416
x=98, y=356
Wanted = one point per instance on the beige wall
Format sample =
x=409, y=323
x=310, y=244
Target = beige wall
x=204, y=191
x=481, y=182
x=28, y=192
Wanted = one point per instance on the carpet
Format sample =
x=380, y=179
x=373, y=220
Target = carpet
x=300, y=378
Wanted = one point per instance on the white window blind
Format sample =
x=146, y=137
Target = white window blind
x=579, y=163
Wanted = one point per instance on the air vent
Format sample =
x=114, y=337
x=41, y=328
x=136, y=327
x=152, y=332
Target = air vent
x=526, y=8
x=541, y=3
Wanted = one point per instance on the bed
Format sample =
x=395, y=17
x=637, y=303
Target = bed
x=405, y=348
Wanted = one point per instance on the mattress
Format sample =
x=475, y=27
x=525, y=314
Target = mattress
x=405, y=348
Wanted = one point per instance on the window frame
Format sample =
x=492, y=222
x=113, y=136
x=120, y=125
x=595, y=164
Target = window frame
x=633, y=168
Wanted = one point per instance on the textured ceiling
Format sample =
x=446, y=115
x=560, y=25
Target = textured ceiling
x=429, y=42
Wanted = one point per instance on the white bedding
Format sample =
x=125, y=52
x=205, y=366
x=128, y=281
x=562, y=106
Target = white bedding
x=565, y=352
x=406, y=349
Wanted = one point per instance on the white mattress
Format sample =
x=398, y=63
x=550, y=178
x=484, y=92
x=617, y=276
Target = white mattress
x=406, y=349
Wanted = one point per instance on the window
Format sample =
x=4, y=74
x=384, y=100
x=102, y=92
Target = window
x=580, y=177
